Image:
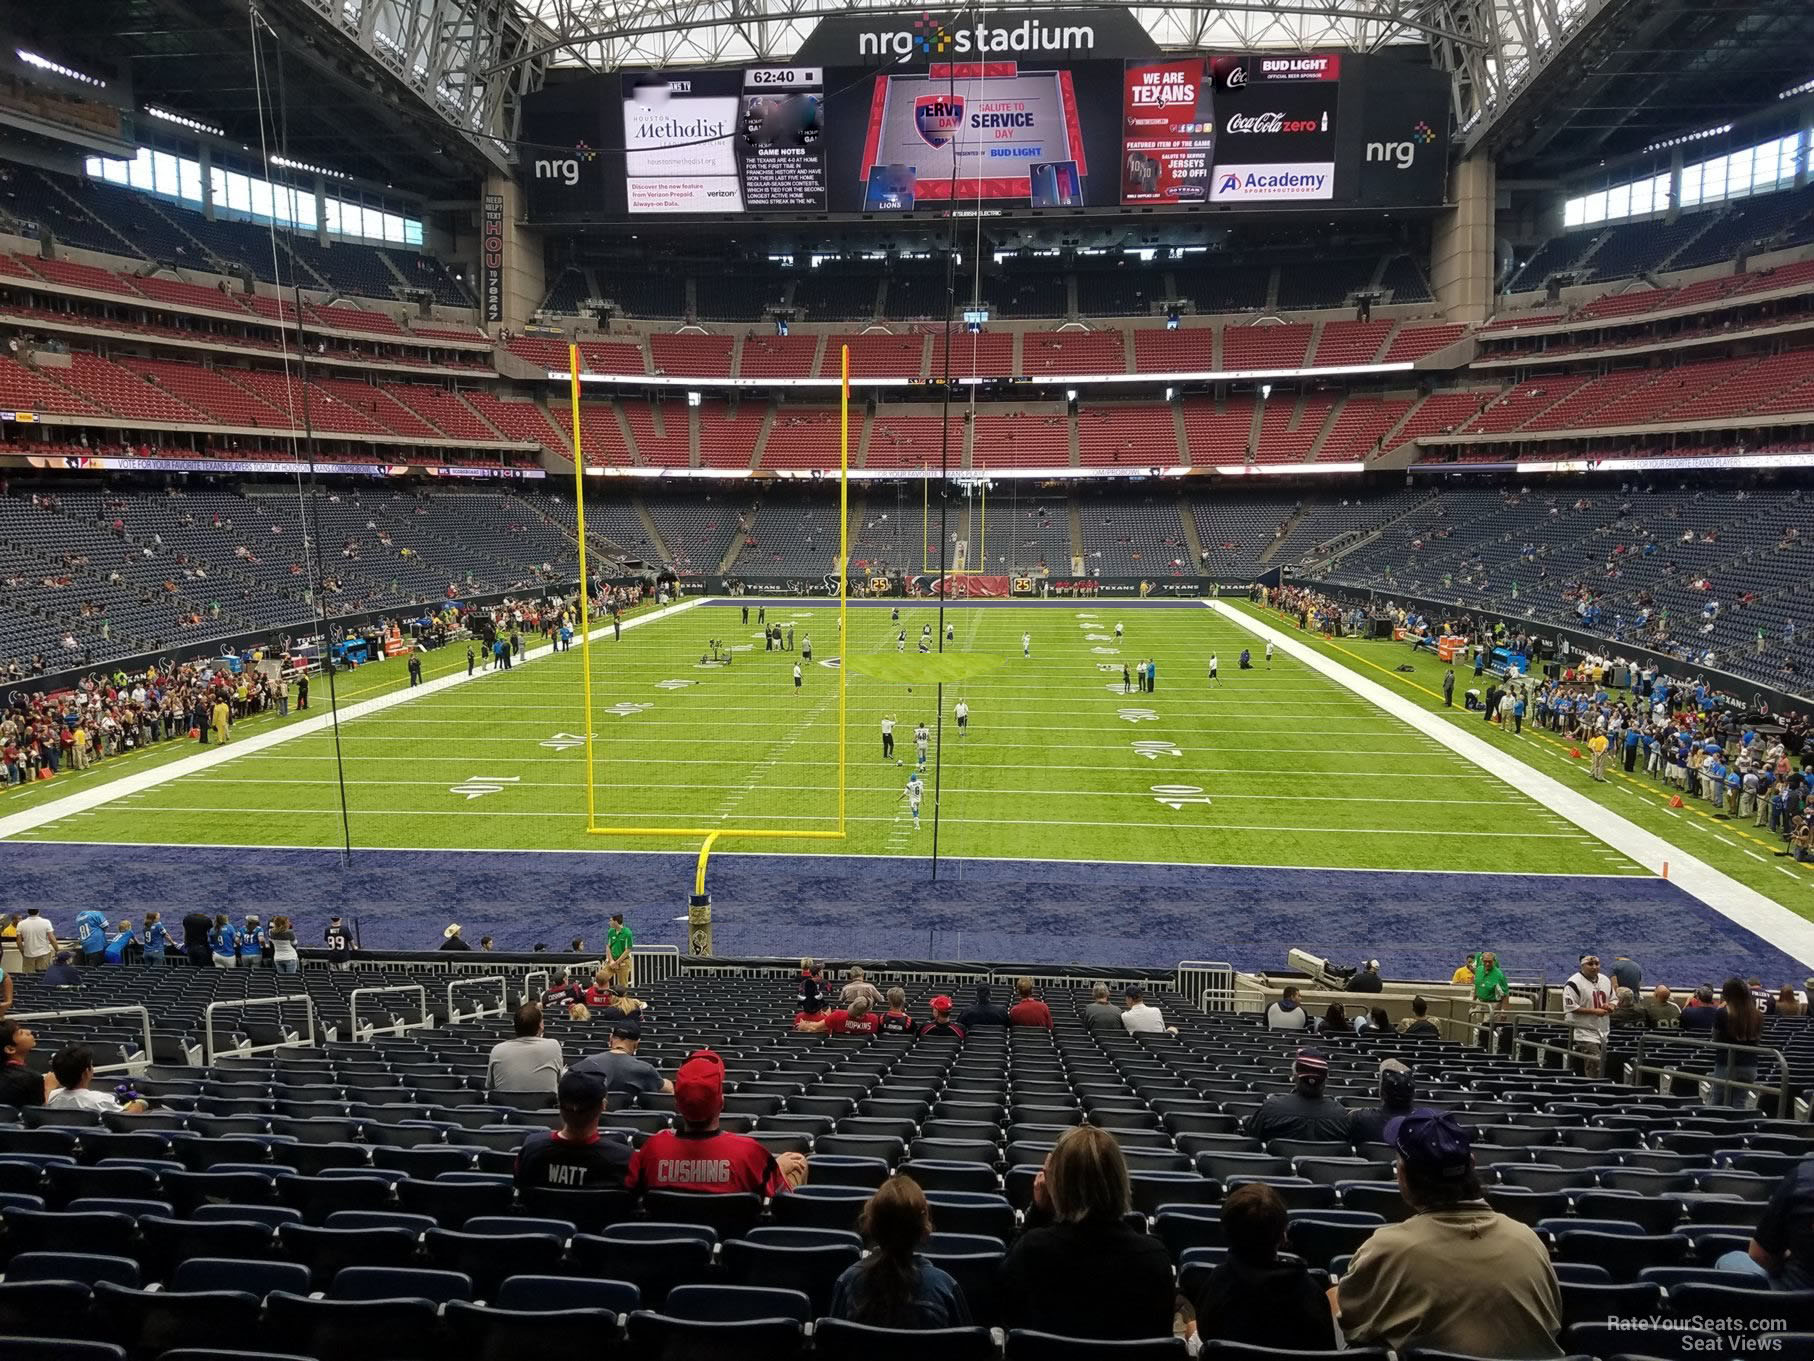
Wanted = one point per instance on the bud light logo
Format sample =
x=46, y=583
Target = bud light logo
x=937, y=118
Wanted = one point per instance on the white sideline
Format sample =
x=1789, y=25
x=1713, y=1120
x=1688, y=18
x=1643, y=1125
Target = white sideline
x=207, y=759
x=1737, y=902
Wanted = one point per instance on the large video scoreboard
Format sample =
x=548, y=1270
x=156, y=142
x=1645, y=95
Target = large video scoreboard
x=886, y=115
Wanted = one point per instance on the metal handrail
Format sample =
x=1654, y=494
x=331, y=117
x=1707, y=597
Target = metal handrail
x=352, y=1003
x=1784, y=1100
x=142, y=1013
x=503, y=995
x=212, y=1007
x=547, y=977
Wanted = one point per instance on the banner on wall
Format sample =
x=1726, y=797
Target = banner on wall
x=491, y=257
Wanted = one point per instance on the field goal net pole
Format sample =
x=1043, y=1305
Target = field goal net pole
x=699, y=928
x=979, y=560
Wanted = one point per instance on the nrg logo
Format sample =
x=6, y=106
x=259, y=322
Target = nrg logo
x=1402, y=154
x=565, y=170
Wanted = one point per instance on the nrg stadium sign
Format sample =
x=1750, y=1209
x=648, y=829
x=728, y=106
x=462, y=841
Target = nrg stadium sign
x=864, y=40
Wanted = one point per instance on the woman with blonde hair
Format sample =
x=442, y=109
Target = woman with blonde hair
x=893, y=1287
x=1079, y=1270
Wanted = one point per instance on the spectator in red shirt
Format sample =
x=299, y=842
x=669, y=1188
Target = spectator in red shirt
x=896, y=1021
x=941, y=1022
x=811, y=1015
x=1029, y=1010
x=702, y=1157
x=858, y=1020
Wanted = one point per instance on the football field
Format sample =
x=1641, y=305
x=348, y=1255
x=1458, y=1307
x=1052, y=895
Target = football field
x=1271, y=766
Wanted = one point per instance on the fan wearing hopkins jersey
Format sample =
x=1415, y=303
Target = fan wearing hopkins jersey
x=702, y=1157
x=576, y=1156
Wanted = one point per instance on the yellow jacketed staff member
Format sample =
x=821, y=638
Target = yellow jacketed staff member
x=1597, y=744
x=220, y=720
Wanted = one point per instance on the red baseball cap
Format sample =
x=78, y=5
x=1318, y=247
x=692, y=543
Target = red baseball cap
x=699, y=1087
x=940, y=1003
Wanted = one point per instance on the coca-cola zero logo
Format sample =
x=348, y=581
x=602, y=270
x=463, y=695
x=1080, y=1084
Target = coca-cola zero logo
x=1263, y=123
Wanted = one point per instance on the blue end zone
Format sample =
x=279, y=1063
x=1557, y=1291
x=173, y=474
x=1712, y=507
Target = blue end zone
x=1034, y=912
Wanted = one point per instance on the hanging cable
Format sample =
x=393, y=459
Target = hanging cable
x=307, y=495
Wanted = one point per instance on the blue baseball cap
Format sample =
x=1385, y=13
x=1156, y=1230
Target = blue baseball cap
x=1432, y=1141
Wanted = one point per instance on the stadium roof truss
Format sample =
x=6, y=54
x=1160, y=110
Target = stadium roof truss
x=472, y=61
x=1492, y=47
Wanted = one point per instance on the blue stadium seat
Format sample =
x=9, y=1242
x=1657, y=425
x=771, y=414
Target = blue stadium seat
x=494, y=1333
x=399, y=1283
x=152, y=1322
x=557, y=1294
x=1027, y=1345
x=57, y=1349
x=728, y=1214
x=839, y=1337
x=653, y=1334
x=814, y=1270
x=327, y=1251
x=589, y=1211
x=1583, y=1303
x=653, y=1265
x=812, y=1206
x=737, y=1303
x=86, y=1268
x=489, y=1259
x=452, y=1203
x=252, y=1277
x=403, y=1329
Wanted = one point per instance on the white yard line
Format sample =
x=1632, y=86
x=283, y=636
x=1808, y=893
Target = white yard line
x=1737, y=902
x=207, y=759
x=1320, y=830
x=1083, y=867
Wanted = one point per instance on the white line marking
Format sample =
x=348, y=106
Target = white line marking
x=42, y=815
x=1722, y=893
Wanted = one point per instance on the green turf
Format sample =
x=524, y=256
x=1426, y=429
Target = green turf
x=1270, y=767
x=1730, y=844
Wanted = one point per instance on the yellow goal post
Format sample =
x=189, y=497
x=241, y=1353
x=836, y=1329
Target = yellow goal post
x=713, y=834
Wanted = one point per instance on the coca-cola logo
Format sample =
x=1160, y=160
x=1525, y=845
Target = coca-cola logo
x=1237, y=78
x=1251, y=123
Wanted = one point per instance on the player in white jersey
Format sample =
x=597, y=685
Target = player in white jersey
x=900, y=641
x=962, y=714
x=921, y=738
x=1026, y=645
x=1117, y=630
x=950, y=631
x=1212, y=669
x=913, y=793
x=796, y=675
x=888, y=738
x=1269, y=653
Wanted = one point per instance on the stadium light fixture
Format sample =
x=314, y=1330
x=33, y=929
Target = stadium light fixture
x=1806, y=87
x=56, y=68
x=285, y=163
x=692, y=397
x=1688, y=137
x=183, y=120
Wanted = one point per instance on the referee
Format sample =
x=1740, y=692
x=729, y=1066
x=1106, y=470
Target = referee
x=888, y=738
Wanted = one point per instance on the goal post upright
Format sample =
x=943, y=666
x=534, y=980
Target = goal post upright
x=585, y=585
x=843, y=575
x=712, y=835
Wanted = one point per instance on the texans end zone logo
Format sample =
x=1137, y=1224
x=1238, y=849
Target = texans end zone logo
x=937, y=118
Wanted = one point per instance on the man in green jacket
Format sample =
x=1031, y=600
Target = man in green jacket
x=1490, y=984
x=617, y=950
